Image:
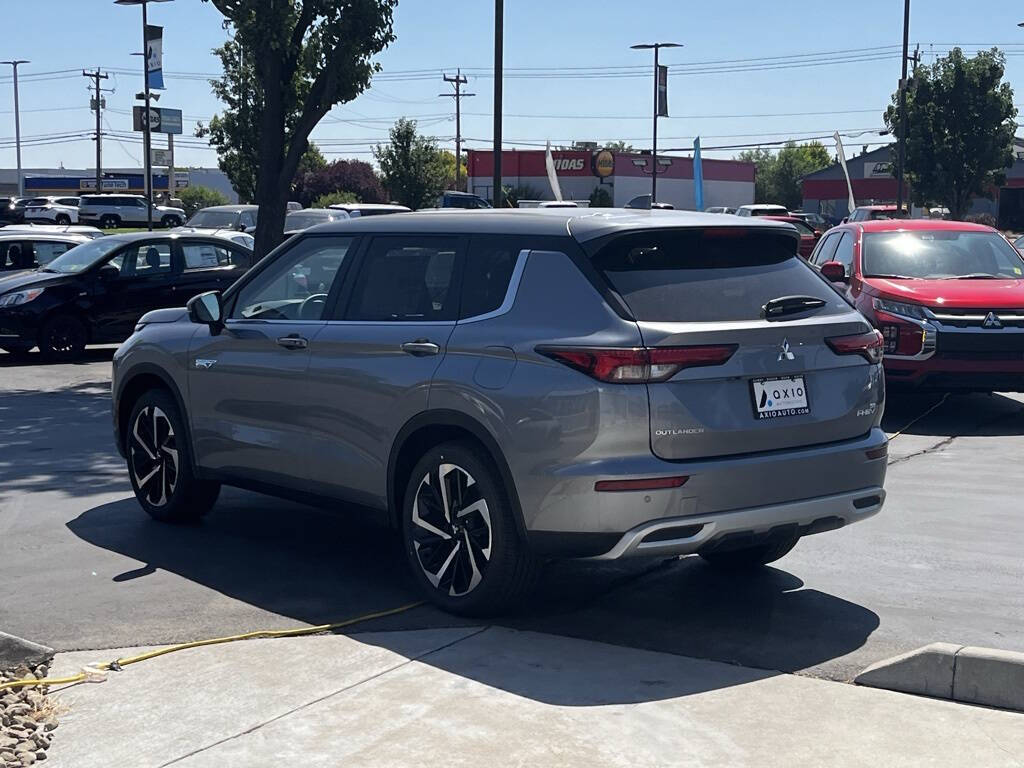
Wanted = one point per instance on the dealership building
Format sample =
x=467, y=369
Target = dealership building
x=873, y=181
x=624, y=175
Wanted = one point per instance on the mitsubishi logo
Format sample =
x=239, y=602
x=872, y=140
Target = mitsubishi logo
x=992, y=321
x=784, y=353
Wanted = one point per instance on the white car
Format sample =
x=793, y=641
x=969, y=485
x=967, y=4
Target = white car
x=52, y=210
x=71, y=229
x=762, y=209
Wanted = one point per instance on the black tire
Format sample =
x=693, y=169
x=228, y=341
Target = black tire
x=110, y=221
x=504, y=570
x=62, y=338
x=773, y=548
x=160, y=462
x=63, y=219
x=170, y=221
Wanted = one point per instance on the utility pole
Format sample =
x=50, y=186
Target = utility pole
x=17, y=123
x=457, y=82
x=97, y=105
x=171, y=189
x=901, y=150
x=499, y=36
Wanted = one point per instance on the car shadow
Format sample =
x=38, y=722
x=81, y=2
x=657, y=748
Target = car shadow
x=953, y=415
x=48, y=436
x=35, y=358
x=315, y=566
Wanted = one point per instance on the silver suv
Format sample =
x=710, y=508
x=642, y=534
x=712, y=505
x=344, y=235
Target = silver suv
x=112, y=211
x=507, y=386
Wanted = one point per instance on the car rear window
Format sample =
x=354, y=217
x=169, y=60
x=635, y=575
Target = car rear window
x=708, y=275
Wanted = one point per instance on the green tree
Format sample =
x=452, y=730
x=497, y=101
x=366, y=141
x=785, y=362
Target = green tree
x=960, y=127
x=449, y=165
x=412, y=167
x=335, y=198
x=305, y=56
x=194, y=198
x=778, y=174
x=618, y=146
x=600, y=198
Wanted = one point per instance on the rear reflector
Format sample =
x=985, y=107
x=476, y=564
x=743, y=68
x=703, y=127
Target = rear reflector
x=638, y=365
x=868, y=345
x=644, y=484
x=877, y=453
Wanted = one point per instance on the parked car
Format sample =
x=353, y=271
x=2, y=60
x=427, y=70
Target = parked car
x=505, y=386
x=97, y=291
x=877, y=212
x=453, y=199
x=762, y=209
x=719, y=209
x=296, y=221
x=10, y=211
x=355, y=210
x=1019, y=244
x=808, y=237
x=241, y=218
x=52, y=210
x=28, y=250
x=112, y=211
x=816, y=220
x=947, y=296
x=54, y=229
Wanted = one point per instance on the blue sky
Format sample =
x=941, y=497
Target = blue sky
x=844, y=91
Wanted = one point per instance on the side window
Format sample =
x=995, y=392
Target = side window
x=489, y=265
x=407, y=279
x=246, y=219
x=138, y=203
x=296, y=284
x=802, y=228
x=209, y=255
x=47, y=252
x=844, y=253
x=827, y=248
x=147, y=260
x=68, y=201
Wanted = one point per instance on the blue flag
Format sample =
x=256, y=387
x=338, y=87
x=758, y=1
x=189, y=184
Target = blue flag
x=698, y=176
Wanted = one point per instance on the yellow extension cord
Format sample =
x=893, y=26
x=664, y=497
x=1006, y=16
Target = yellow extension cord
x=97, y=672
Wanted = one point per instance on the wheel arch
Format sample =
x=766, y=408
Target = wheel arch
x=137, y=380
x=431, y=428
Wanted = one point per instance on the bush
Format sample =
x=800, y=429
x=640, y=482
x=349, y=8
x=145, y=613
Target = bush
x=601, y=198
x=335, y=198
x=986, y=219
x=522, y=192
x=194, y=198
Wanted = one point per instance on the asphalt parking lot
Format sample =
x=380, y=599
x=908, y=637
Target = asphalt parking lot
x=81, y=567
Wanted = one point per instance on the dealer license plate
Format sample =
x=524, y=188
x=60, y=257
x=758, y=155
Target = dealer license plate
x=776, y=398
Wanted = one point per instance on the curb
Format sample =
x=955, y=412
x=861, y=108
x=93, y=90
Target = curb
x=15, y=652
x=968, y=674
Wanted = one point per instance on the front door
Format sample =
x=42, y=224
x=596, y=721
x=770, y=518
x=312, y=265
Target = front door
x=144, y=283
x=373, y=361
x=248, y=390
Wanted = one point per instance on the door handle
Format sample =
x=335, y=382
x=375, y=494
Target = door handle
x=421, y=348
x=293, y=341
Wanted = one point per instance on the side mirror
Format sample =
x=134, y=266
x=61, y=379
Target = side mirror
x=109, y=272
x=834, y=272
x=205, y=309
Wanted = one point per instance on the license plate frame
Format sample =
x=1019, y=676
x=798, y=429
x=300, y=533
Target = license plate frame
x=792, y=395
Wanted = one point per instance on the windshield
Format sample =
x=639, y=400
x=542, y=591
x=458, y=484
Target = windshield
x=940, y=254
x=305, y=220
x=213, y=219
x=83, y=256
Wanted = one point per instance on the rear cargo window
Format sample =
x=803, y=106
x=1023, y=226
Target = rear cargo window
x=708, y=275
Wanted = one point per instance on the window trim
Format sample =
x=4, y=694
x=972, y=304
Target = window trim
x=510, y=293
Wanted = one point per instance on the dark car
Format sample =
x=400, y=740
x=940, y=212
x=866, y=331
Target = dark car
x=241, y=218
x=97, y=291
x=12, y=210
x=453, y=199
x=809, y=237
x=297, y=221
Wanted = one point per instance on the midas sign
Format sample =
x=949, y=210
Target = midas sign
x=568, y=163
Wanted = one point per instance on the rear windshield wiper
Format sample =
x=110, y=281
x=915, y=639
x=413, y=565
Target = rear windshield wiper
x=790, y=305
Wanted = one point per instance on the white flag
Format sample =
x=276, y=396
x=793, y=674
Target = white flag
x=549, y=162
x=842, y=161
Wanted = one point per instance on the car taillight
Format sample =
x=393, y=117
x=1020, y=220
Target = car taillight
x=868, y=345
x=901, y=337
x=638, y=365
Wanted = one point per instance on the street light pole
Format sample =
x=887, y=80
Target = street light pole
x=499, y=37
x=901, y=149
x=654, y=140
x=17, y=123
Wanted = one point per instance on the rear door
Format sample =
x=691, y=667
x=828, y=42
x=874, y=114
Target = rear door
x=782, y=385
x=208, y=265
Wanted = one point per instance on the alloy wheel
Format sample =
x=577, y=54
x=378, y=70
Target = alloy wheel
x=63, y=337
x=153, y=456
x=452, y=530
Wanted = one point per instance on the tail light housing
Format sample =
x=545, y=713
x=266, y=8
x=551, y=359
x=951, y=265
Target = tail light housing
x=902, y=337
x=868, y=345
x=638, y=365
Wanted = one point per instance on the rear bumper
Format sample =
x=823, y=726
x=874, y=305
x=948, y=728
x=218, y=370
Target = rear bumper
x=688, y=535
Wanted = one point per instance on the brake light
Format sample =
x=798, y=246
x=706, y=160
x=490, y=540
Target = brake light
x=868, y=345
x=638, y=365
x=644, y=484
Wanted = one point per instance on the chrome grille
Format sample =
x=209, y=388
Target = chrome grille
x=975, y=318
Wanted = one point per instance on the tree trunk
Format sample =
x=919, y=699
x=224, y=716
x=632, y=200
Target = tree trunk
x=271, y=189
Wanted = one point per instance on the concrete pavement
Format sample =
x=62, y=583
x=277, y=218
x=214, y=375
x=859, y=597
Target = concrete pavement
x=495, y=696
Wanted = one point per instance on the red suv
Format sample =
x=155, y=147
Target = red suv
x=947, y=296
